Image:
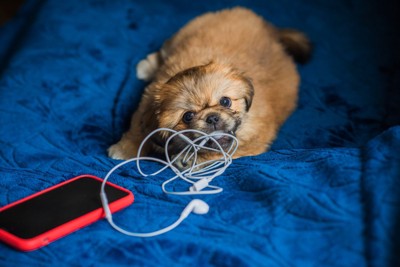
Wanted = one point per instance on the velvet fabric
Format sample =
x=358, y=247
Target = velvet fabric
x=326, y=194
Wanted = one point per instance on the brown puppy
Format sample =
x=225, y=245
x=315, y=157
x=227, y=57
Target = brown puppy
x=227, y=71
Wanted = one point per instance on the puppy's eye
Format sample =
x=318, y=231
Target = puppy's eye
x=225, y=102
x=188, y=117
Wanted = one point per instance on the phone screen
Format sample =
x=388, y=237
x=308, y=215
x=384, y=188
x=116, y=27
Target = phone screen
x=53, y=208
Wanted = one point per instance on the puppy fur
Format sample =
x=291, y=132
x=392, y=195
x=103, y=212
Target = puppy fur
x=232, y=54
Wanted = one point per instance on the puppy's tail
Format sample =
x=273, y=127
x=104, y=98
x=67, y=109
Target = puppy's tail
x=296, y=44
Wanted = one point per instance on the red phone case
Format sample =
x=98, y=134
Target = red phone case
x=66, y=228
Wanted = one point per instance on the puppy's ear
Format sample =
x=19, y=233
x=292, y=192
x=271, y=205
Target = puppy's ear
x=162, y=95
x=150, y=105
x=249, y=93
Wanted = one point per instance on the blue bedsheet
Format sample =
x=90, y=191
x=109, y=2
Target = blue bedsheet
x=327, y=194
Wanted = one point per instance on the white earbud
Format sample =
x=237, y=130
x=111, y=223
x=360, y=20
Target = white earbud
x=196, y=206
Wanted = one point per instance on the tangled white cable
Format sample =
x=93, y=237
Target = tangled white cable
x=199, y=175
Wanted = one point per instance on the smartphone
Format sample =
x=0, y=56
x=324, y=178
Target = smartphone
x=41, y=218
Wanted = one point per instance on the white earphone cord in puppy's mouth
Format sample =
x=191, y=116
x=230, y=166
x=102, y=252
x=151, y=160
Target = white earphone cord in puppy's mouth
x=199, y=175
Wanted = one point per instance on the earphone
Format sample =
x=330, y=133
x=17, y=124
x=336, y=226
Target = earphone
x=196, y=206
x=199, y=175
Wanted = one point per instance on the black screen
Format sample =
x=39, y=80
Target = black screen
x=56, y=207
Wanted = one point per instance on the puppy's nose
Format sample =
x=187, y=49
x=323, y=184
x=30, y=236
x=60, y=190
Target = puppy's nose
x=212, y=119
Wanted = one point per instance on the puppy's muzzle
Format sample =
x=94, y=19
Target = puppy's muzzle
x=212, y=119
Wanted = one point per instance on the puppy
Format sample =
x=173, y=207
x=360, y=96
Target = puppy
x=228, y=71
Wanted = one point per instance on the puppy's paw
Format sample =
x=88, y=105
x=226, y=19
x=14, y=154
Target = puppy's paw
x=120, y=151
x=115, y=152
x=147, y=68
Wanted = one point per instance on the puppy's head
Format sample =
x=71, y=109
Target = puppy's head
x=209, y=98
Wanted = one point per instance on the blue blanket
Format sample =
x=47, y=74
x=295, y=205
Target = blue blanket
x=326, y=194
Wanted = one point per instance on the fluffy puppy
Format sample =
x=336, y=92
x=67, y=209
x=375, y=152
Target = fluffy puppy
x=228, y=71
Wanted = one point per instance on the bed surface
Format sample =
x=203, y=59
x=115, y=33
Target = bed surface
x=326, y=194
